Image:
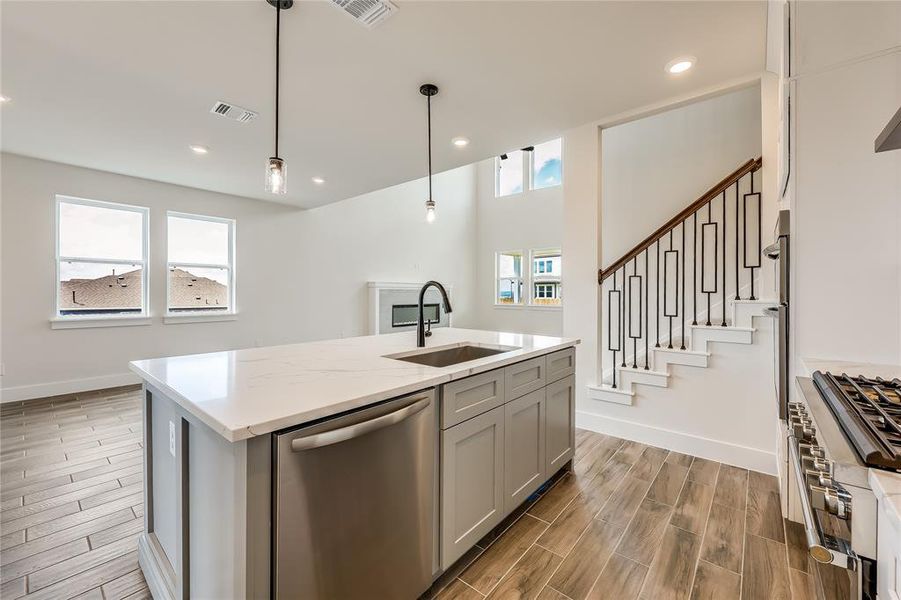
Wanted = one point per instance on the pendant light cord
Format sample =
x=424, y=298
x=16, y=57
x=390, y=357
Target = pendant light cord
x=278, y=29
x=429, y=109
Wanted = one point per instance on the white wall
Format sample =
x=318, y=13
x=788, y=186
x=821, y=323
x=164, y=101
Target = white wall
x=846, y=200
x=654, y=167
x=531, y=220
x=301, y=275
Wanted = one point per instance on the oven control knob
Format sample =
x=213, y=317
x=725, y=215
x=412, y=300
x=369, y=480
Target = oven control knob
x=838, y=502
x=804, y=430
x=812, y=450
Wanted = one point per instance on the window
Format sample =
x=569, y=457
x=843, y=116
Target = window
x=510, y=173
x=101, y=259
x=509, y=278
x=547, y=273
x=533, y=168
x=547, y=164
x=201, y=264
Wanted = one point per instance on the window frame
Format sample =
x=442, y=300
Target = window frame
x=528, y=170
x=497, y=279
x=193, y=316
x=61, y=321
x=537, y=255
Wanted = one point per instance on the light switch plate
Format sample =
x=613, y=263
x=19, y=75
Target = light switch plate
x=171, y=438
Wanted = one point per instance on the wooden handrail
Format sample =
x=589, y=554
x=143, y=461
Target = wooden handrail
x=748, y=167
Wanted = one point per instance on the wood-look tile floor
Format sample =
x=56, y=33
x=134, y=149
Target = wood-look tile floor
x=71, y=496
x=634, y=521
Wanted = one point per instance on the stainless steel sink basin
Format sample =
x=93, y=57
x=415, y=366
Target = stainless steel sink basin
x=446, y=356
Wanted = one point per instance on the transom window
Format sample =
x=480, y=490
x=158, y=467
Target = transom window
x=101, y=258
x=533, y=168
x=200, y=264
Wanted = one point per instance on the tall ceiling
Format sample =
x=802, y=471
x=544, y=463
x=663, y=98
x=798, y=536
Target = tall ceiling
x=127, y=86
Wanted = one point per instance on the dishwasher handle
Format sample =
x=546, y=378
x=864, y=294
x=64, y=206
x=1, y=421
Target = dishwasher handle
x=342, y=434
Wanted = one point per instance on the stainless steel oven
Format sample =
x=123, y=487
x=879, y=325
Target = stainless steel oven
x=779, y=251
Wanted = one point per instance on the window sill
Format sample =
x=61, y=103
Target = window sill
x=84, y=322
x=173, y=319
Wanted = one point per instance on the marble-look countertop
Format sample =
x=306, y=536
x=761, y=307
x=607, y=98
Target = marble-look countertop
x=887, y=487
x=837, y=367
x=244, y=393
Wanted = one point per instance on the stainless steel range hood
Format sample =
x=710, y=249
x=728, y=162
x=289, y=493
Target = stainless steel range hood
x=890, y=138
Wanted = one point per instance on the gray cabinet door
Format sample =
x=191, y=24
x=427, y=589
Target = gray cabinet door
x=524, y=377
x=466, y=398
x=524, y=448
x=560, y=364
x=472, y=480
x=560, y=431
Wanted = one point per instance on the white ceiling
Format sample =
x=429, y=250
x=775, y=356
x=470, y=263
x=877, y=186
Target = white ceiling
x=126, y=86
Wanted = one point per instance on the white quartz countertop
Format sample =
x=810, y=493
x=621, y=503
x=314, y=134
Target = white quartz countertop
x=244, y=393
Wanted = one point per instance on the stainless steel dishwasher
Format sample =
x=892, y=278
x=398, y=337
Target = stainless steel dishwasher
x=354, y=495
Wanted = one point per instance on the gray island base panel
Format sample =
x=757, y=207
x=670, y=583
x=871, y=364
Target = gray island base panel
x=208, y=499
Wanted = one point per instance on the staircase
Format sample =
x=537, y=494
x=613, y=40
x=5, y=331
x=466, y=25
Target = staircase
x=689, y=286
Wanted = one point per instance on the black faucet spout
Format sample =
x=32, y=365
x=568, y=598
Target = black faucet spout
x=420, y=325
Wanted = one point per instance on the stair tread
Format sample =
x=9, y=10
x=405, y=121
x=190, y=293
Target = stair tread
x=758, y=301
x=721, y=328
x=643, y=370
x=678, y=351
x=606, y=387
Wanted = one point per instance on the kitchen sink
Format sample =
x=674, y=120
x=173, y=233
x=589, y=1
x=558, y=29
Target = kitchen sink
x=446, y=356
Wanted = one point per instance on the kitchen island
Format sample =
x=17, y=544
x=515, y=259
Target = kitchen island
x=492, y=430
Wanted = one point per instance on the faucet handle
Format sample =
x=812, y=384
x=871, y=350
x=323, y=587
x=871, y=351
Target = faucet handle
x=428, y=327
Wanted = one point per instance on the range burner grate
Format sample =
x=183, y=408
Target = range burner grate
x=868, y=410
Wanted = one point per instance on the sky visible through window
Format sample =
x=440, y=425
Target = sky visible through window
x=510, y=177
x=547, y=164
x=199, y=241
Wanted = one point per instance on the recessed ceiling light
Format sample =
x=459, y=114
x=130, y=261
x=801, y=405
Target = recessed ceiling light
x=460, y=142
x=4, y=99
x=680, y=65
x=318, y=180
x=197, y=149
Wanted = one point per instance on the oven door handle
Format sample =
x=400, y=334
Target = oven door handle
x=815, y=544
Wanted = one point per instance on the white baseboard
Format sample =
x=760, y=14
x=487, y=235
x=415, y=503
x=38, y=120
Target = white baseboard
x=720, y=451
x=56, y=388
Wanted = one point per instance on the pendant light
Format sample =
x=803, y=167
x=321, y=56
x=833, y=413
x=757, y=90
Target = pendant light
x=276, y=168
x=428, y=90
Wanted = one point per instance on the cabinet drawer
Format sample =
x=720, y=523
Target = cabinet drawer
x=472, y=482
x=560, y=364
x=524, y=447
x=524, y=377
x=466, y=398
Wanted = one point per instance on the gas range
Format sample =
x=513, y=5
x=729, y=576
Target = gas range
x=825, y=484
x=868, y=411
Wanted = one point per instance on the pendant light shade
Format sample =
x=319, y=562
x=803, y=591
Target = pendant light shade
x=276, y=175
x=428, y=90
x=276, y=168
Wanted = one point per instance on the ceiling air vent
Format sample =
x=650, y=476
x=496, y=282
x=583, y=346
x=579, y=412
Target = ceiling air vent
x=235, y=113
x=368, y=13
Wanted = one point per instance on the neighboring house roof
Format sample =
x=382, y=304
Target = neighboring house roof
x=123, y=291
x=187, y=290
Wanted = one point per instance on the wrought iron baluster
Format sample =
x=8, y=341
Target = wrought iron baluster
x=667, y=311
x=724, y=258
x=647, y=307
x=633, y=280
x=737, y=286
x=752, y=259
x=657, y=294
x=623, y=316
x=682, y=312
x=694, y=270
x=613, y=295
